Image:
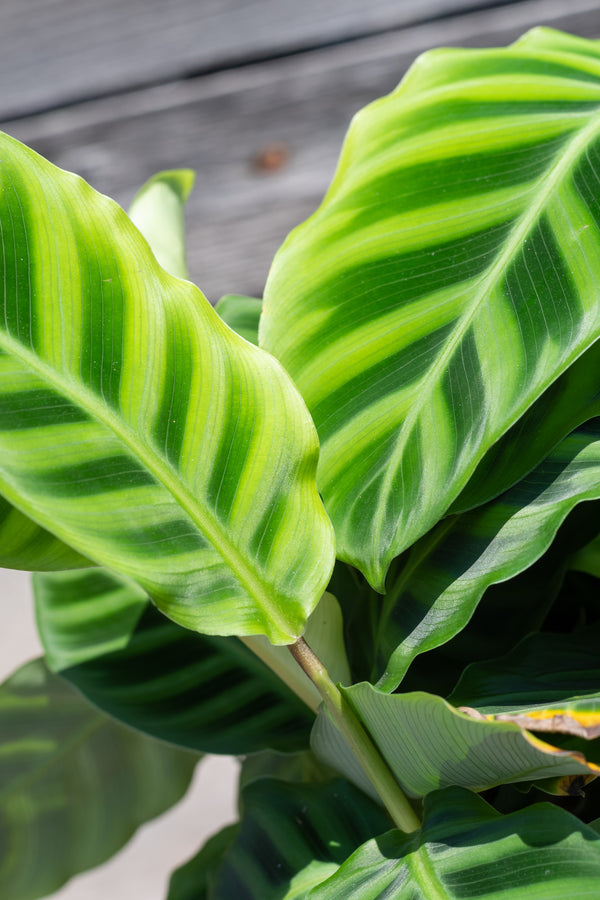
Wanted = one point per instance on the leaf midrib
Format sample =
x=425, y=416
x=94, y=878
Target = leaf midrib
x=514, y=242
x=207, y=524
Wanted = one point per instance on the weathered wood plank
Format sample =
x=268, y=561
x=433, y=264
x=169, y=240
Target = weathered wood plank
x=221, y=124
x=55, y=52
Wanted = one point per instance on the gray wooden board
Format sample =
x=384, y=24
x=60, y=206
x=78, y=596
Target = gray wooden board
x=218, y=124
x=53, y=52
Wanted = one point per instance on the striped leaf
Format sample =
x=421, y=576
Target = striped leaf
x=211, y=694
x=157, y=212
x=74, y=784
x=25, y=545
x=293, y=836
x=429, y=745
x=548, y=683
x=466, y=849
x=242, y=314
x=446, y=573
x=449, y=277
x=137, y=428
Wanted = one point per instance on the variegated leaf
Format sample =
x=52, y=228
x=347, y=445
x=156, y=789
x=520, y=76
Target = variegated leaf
x=139, y=429
x=449, y=277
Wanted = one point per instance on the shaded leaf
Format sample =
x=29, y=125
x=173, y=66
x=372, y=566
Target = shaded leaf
x=139, y=429
x=448, y=278
x=211, y=694
x=242, y=314
x=194, y=880
x=466, y=849
x=448, y=570
x=428, y=744
x=74, y=784
x=157, y=211
x=293, y=837
x=549, y=682
x=572, y=399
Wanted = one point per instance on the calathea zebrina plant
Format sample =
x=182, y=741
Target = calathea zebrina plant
x=395, y=475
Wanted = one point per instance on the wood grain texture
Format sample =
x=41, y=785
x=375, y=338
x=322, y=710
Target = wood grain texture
x=264, y=138
x=57, y=51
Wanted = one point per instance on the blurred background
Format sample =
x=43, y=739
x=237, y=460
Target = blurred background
x=256, y=96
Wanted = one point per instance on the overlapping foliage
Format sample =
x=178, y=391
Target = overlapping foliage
x=435, y=325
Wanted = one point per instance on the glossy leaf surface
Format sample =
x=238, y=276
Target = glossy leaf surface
x=74, y=784
x=157, y=211
x=446, y=573
x=449, y=277
x=208, y=693
x=549, y=682
x=429, y=745
x=293, y=837
x=466, y=849
x=139, y=429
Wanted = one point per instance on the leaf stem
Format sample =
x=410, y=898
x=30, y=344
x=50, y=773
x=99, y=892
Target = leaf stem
x=375, y=767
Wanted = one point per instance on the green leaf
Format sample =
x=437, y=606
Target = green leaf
x=139, y=429
x=549, y=682
x=569, y=401
x=293, y=837
x=24, y=545
x=242, y=314
x=448, y=278
x=194, y=880
x=466, y=849
x=157, y=211
x=428, y=744
x=324, y=634
x=446, y=573
x=210, y=694
x=75, y=785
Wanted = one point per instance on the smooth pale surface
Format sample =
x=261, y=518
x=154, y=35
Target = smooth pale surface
x=143, y=868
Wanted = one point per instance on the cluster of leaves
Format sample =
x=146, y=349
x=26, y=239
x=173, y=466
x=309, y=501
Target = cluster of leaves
x=409, y=477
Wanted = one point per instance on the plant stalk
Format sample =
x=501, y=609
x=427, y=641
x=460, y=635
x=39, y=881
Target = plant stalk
x=375, y=767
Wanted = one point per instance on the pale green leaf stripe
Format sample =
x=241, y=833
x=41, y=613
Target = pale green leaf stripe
x=139, y=429
x=449, y=277
x=447, y=572
x=211, y=694
x=24, y=545
x=430, y=745
x=293, y=836
x=466, y=849
x=74, y=784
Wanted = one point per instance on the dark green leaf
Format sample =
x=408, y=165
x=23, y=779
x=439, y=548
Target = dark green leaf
x=466, y=849
x=447, y=571
x=210, y=694
x=74, y=784
x=293, y=837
